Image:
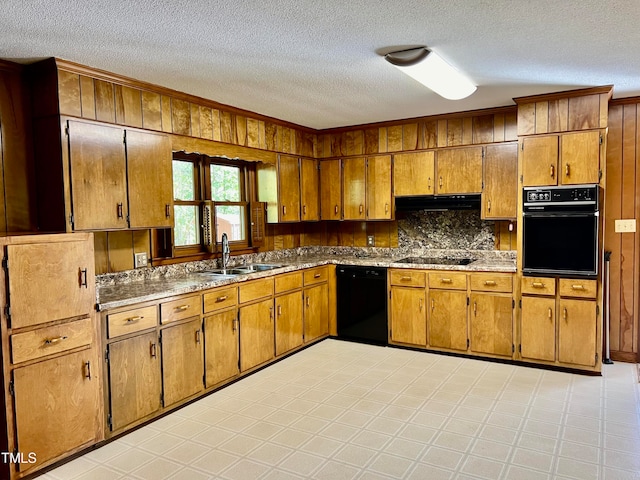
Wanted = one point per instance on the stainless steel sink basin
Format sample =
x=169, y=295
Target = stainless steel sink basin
x=259, y=267
x=243, y=270
x=225, y=271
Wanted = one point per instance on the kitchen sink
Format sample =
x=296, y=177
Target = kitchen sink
x=259, y=267
x=225, y=271
x=243, y=270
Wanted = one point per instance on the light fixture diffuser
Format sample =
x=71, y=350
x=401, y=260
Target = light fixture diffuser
x=432, y=71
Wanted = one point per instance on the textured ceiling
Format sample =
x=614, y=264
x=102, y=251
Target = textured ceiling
x=318, y=64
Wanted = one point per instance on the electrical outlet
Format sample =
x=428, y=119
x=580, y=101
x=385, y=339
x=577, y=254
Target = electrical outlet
x=140, y=260
x=370, y=241
x=625, y=225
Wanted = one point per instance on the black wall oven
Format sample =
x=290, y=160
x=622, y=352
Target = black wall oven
x=561, y=230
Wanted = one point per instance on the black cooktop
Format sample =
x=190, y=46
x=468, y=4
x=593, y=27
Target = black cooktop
x=436, y=261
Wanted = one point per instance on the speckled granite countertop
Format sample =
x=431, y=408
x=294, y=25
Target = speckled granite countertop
x=128, y=288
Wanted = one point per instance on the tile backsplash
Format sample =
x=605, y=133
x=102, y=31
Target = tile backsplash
x=452, y=229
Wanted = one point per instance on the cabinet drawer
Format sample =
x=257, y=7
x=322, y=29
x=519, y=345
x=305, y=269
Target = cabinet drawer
x=408, y=278
x=131, y=321
x=49, y=340
x=491, y=282
x=539, y=285
x=255, y=289
x=448, y=280
x=179, y=309
x=578, y=288
x=219, y=299
x=288, y=281
x=315, y=275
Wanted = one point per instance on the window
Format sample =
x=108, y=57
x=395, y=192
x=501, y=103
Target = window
x=199, y=183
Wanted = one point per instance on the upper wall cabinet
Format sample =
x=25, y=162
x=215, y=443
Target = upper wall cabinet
x=309, y=189
x=366, y=188
x=500, y=182
x=459, y=170
x=414, y=173
x=104, y=178
x=330, y=190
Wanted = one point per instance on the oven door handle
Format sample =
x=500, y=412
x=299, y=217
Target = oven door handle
x=560, y=214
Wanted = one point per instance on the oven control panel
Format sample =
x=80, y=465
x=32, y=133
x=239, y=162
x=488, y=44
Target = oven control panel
x=582, y=194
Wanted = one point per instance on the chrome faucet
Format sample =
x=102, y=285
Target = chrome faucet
x=226, y=251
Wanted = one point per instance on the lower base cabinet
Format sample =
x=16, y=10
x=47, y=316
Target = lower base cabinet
x=288, y=322
x=135, y=379
x=316, y=312
x=408, y=320
x=538, y=328
x=221, y=347
x=491, y=324
x=57, y=406
x=256, y=334
x=182, y=365
x=448, y=319
x=577, y=332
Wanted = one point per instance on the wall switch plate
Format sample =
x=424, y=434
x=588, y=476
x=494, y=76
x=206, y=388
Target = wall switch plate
x=140, y=260
x=370, y=241
x=625, y=225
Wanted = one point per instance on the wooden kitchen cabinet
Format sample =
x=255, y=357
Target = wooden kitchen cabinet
x=366, y=188
x=565, y=159
x=414, y=173
x=408, y=315
x=459, y=170
x=447, y=320
x=135, y=379
x=52, y=377
x=309, y=189
x=500, y=182
x=289, y=188
x=538, y=328
x=256, y=334
x=578, y=322
x=150, y=179
x=182, y=363
x=222, y=347
x=289, y=328
x=316, y=303
x=330, y=189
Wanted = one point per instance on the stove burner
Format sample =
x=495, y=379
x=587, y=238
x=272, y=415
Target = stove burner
x=436, y=261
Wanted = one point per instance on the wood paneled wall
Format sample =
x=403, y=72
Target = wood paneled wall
x=622, y=201
x=16, y=163
x=466, y=128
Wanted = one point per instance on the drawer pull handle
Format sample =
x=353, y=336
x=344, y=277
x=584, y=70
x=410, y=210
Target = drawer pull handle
x=152, y=350
x=222, y=298
x=446, y=280
x=53, y=341
x=88, y=367
x=405, y=279
x=182, y=308
x=134, y=319
x=490, y=283
x=537, y=285
x=83, y=278
x=578, y=287
x=317, y=275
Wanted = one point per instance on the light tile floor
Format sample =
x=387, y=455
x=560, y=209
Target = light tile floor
x=341, y=410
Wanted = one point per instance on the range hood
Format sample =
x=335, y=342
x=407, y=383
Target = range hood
x=438, y=202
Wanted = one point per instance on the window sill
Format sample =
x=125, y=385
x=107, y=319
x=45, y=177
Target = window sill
x=195, y=257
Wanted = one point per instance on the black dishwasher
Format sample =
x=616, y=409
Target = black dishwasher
x=362, y=304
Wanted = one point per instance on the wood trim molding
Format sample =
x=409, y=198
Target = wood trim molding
x=96, y=73
x=629, y=357
x=185, y=144
x=605, y=89
x=624, y=101
x=7, y=66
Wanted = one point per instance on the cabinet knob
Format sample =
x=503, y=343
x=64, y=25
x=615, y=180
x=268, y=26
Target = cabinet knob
x=433, y=305
x=284, y=210
x=316, y=275
x=279, y=310
x=308, y=300
x=405, y=279
x=386, y=208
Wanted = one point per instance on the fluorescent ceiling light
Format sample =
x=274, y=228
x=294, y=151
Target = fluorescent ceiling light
x=432, y=71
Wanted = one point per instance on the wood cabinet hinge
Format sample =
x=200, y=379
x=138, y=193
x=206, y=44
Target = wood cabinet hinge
x=106, y=355
x=597, y=310
x=124, y=137
x=162, y=399
x=521, y=179
x=389, y=294
x=468, y=301
x=520, y=302
x=513, y=303
x=468, y=343
x=66, y=129
x=5, y=264
x=12, y=390
x=7, y=312
x=520, y=348
x=601, y=139
x=596, y=358
x=521, y=146
x=71, y=220
x=483, y=152
x=110, y=422
x=513, y=348
x=599, y=174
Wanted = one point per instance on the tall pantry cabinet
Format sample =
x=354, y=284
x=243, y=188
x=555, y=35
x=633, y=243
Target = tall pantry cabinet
x=52, y=379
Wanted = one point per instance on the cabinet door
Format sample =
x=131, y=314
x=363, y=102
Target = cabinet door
x=98, y=171
x=379, y=187
x=221, y=347
x=182, y=365
x=60, y=275
x=149, y=174
x=413, y=174
x=491, y=323
x=540, y=160
x=135, y=384
x=580, y=157
x=58, y=406
x=256, y=334
x=447, y=320
x=577, y=332
x=408, y=316
x=310, y=187
x=500, y=190
x=289, y=188
x=330, y=190
x=316, y=312
x=459, y=170
x=289, y=325
x=538, y=328
x=354, y=188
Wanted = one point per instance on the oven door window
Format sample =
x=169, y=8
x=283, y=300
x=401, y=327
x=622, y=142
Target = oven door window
x=561, y=244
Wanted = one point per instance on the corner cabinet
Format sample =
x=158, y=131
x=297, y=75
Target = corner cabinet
x=51, y=346
x=102, y=177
